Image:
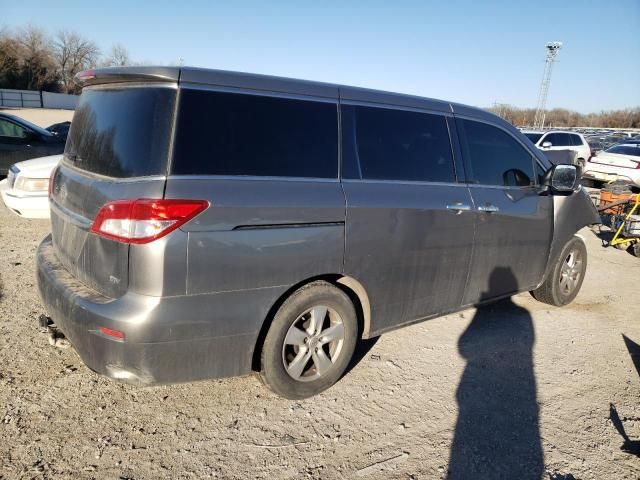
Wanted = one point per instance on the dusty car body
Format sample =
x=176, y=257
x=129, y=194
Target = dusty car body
x=311, y=221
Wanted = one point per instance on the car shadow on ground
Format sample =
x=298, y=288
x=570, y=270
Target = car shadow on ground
x=606, y=236
x=363, y=347
x=634, y=352
x=497, y=433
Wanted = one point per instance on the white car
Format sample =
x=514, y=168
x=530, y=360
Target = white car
x=561, y=140
x=25, y=190
x=620, y=162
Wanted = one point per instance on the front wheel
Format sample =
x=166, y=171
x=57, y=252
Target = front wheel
x=310, y=341
x=566, y=276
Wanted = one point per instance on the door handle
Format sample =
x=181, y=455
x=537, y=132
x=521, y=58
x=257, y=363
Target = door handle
x=488, y=208
x=458, y=208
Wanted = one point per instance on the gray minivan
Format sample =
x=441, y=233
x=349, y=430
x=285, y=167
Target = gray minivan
x=209, y=223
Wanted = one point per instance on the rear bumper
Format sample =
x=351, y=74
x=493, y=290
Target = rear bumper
x=24, y=205
x=167, y=339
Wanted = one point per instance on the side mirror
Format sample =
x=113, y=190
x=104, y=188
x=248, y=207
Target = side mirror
x=547, y=144
x=562, y=178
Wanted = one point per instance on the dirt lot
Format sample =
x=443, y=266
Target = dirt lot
x=517, y=390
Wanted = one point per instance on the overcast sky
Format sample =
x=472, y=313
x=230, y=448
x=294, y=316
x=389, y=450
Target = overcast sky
x=474, y=52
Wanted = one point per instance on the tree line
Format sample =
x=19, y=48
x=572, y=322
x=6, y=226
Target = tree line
x=32, y=59
x=560, y=117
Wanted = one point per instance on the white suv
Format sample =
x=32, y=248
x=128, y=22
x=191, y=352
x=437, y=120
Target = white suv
x=561, y=140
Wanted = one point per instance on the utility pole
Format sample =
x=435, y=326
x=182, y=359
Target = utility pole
x=553, y=48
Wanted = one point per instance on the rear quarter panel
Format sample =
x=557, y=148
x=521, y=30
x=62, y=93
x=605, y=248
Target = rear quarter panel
x=261, y=233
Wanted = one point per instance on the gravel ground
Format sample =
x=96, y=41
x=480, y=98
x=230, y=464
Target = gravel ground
x=515, y=390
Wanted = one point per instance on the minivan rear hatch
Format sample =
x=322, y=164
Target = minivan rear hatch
x=117, y=148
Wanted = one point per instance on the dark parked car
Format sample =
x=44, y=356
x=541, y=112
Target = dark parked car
x=21, y=140
x=207, y=223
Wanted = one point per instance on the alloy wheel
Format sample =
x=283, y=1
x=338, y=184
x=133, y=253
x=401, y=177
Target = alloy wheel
x=313, y=343
x=571, y=272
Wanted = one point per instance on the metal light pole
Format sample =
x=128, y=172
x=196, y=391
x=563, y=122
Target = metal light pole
x=552, y=52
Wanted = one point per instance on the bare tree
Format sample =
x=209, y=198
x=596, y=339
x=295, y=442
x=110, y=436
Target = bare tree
x=28, y=55
x=560, y=117
x=118, y=56
x=72, y=54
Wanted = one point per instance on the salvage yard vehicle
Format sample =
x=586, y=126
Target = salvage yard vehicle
x=209, y=223
x=561, y=140
x=21, y=140
x=25, y=190
x=619, y=162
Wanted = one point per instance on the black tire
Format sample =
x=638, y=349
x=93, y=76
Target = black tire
x=296, y=313
x=554, y=290
x=636, y=249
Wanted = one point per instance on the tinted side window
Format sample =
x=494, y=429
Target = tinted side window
x=576, y=140
x=558, y=139
x=238, y=134
x=10, y=129
x=493, y=156
x=387, y=144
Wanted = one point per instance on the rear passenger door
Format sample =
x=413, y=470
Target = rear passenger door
x=513, y=222
x=268, y=165
x=408, y=250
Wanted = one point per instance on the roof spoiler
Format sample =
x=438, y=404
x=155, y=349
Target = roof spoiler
x=127, y=74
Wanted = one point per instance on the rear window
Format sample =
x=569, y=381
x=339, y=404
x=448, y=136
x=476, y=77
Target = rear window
x=122, y=132
x=239, y=134
x=576, y=140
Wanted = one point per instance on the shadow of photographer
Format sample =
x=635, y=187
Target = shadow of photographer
x=497, y=432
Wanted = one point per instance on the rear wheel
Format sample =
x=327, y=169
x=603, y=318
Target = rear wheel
x=565, y=279
x=310, y=341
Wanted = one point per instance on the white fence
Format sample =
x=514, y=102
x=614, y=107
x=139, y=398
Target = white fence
x=37, y=99
x=59, y=100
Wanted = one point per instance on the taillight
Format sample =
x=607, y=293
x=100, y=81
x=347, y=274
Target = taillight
x=638, y=166
x=86, y=75
x=51, y=177
x=144, y=220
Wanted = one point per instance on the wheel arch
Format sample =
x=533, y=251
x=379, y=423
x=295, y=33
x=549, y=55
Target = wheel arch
x=570, y=214
x=349, y=285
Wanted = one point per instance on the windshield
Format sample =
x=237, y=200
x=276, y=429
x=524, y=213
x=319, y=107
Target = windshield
x=122, y=132
x=633, y=150
x=534, y=137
